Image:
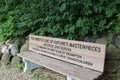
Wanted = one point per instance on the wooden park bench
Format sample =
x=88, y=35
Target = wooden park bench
x=75, y=59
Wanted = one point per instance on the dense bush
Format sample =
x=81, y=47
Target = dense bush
x=60, y=18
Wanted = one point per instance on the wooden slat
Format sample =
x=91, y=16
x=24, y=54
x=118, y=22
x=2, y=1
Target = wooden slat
x=62, y=67
x=88, y=55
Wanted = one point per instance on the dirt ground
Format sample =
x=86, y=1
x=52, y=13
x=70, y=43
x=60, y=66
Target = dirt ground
x=38, y=74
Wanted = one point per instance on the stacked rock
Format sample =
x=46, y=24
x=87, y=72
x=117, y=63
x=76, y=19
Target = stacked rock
x=8, y=54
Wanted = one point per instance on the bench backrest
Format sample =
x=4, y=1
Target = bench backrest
x=85, y=54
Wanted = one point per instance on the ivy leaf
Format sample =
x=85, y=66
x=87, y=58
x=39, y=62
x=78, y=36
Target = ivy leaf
x=97, y=8
x=21, y=24
x=69, y=28
x=118, y=15
x=63, y=7
x=110, y=11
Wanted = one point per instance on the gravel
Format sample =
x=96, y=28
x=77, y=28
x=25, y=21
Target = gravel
x=12, y=73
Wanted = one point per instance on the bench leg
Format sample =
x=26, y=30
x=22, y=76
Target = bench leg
x=29, y=65
x=70, y=78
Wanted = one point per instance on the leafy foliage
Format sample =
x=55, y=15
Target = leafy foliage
x=59, y=18
x=20, y=67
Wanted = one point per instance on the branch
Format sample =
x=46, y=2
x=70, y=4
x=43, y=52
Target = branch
x=6, y=3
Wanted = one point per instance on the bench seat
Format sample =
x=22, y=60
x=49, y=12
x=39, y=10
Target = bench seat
x=62, y=67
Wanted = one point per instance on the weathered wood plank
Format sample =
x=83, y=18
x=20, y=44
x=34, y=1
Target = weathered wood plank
x=89, y=55
x=77, y=72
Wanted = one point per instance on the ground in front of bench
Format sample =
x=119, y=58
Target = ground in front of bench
x=37, y=74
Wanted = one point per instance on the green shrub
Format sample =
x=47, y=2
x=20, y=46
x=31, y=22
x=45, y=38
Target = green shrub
x=60, y=18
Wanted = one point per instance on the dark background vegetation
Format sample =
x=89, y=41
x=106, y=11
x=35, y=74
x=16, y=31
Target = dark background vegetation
x=67, y=19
